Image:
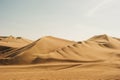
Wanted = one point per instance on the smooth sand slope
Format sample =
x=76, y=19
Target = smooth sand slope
x=50, y=58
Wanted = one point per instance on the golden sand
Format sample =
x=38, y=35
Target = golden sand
x=50, y=58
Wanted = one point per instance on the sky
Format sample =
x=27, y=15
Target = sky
x=69, y=19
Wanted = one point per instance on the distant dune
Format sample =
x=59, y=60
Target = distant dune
x=15, y=42
x=9, y=43
x=99, y=54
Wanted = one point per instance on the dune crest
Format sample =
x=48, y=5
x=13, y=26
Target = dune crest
x=107, y=41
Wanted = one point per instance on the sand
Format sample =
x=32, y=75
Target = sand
x=51, y=58
x=14, y=42
x=9, y=43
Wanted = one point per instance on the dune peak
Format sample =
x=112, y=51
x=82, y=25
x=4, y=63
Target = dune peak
x=101, y=37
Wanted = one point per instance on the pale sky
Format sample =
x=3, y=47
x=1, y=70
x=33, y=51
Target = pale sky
x=69, y=19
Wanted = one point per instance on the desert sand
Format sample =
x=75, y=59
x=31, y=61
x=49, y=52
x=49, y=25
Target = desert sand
x=51, y=58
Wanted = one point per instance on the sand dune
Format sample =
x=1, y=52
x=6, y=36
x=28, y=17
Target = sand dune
x=29, y=53
x=98, y=56
x=15, y=42
x=107, y=41
x=9, y=43
x=51, y=49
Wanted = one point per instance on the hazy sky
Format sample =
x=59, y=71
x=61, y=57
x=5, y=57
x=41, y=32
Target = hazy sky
x=69, y=19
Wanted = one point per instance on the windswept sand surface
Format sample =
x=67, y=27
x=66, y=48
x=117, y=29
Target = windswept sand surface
x=50, y=58
x=68, y=71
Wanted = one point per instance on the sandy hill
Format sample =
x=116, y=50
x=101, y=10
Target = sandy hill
x=101, y=48
x=30, y=52
x=107, y=41
x=15, y=42
x=8, y=43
